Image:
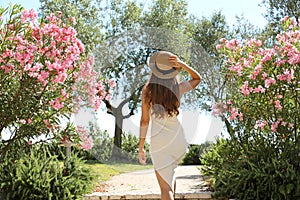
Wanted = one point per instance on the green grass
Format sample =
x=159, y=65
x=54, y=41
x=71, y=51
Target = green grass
x=104, y=172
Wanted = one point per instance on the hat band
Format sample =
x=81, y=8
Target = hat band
x=165, y=72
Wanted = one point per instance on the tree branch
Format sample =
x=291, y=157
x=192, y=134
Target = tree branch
x=109, y=107
x=132, y=97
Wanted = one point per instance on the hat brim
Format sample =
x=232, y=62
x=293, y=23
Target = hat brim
x=151, y=62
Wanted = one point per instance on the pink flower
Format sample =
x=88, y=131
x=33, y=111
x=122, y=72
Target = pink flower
x=46, y=122
x=33, y=74
x=219, y=46
x=108, y=97
x=238, y=68
x=277, y=105
x=232, y=44
x=7, y=68
x=260, y=124
x=234, y=114
x=7, y=53
x=269, y=81
x=60, y=78
x=64, y=94
x=288, y=75
x=259, y=89
x=274, y=126
x=36, y=67
x=86, y=142
x=245, y=89
x=31, y=15
x=97, y=104
x=256, y=71
x=283, y=123
x=218, y=109
x=29, y=121
x=280, y=62
x=267, y=55
x=285, y=18
x=255, y=42
x=241, y=116
x=111, y=83
x=264, y=76
x=73, y=20
x=258, y=42
x=100, y=86
x=57, y=104
x=49, y=65
x=52, y=18
x=229, y=102
x=42, y=77
x=49, y=55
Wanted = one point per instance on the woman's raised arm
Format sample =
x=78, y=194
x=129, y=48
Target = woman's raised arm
x=186, y=86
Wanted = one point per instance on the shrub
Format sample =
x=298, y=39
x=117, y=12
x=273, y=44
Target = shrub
x=260, y=159
x=103, y=144
x=46, y=76
x=257, y=173
x=130, y=148
x=192, y=157
x=40, y=175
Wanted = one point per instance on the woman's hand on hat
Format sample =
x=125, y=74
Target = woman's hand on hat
x=174, y=60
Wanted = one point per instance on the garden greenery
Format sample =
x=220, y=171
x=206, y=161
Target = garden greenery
x=46, y=75
x=192, y=157
x=261, y=158
x=37, y=174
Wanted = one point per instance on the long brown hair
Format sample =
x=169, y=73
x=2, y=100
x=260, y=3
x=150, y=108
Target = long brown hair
x=163, y=96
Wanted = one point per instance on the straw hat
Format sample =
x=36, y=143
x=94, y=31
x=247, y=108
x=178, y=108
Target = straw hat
x=160, y=65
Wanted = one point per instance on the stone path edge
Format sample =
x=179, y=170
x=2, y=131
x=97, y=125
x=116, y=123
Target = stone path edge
x=199, y=196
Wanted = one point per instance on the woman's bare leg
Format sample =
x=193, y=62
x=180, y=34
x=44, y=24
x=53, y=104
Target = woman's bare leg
x=166, y=190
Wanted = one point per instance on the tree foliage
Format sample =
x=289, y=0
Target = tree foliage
x=129, y=42
x=132, y=31
x=276, y=10
x=89, y=18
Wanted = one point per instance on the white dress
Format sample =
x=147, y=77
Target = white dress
x=167, y=146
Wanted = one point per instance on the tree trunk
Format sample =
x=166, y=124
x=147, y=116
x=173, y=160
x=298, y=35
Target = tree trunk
x=117, y=148
x=118, y=130
x=119, y=118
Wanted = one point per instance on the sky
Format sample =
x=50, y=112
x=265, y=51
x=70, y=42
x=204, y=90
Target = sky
x=230, y=8
x=199, y=127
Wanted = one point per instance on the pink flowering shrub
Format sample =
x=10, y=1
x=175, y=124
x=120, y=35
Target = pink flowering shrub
x=86, y=141
x=260, y=159
x=264, y=82
x=45, y=73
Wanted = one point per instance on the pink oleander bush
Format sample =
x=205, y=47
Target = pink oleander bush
x=264, y=82
x=261, y=157
x=45, y=73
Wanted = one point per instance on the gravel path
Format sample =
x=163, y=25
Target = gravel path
x=189, y=180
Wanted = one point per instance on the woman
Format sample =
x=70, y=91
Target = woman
x=160, y=102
